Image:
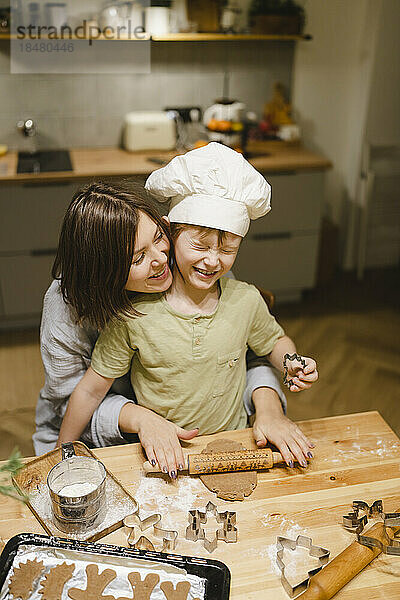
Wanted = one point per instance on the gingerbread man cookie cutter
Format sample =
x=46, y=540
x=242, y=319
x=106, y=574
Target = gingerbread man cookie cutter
x=357, y=519
x=168, y=536
x=299, y=359
x=282, y=544
x=197, y=518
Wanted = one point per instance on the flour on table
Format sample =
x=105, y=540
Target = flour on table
x=298, y=561
x=287, y=527
x=169, y=498
x=381, y=448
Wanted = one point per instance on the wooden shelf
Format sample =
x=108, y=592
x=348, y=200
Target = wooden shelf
x=224, y=37
x=173, y=37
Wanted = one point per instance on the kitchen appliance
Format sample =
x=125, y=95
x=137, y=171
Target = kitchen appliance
x=224, y=110
x=149, y=130
x=224, y=122
x=189, y=127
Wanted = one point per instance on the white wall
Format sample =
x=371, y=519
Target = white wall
x=330, y=95
x=383, y=123
x=380, y=238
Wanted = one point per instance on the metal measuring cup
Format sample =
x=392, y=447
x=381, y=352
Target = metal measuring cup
x=77, y=491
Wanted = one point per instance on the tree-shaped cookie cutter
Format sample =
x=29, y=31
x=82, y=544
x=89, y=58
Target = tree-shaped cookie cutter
x=295, y=356
x=197, y=518
x=357, y=519
x=302, y=541
x=168, y=536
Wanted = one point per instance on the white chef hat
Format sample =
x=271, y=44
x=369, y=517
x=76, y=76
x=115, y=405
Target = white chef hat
x=212, y=186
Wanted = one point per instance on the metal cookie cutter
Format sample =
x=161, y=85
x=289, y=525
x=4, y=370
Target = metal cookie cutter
x=168, y=536
x=283, y=543
x=356, y=523
x=197, y=518
x=353, y=522
x=286, y=381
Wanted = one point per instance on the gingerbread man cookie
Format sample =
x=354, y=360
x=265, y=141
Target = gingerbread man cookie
x=95, y=586
x=180, y=593
x=23, y=579
x=53, y=583
x=142, y=590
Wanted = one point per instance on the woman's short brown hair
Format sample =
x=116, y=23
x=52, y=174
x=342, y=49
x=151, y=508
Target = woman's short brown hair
x=96, y=247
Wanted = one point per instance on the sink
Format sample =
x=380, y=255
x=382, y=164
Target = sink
x=44, y=161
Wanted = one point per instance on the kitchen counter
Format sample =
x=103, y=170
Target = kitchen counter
x=267, y=157
x=356, y=458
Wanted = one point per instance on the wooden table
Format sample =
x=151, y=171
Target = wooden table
x=357, y=457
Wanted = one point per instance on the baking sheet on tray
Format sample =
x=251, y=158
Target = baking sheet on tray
x=120, y=586
x=209, y=579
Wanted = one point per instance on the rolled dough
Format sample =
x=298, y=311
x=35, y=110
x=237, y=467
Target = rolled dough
x=229, y=486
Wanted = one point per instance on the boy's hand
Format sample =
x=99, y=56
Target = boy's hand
x=159, y=437
x=301, y=376
x=285, y=435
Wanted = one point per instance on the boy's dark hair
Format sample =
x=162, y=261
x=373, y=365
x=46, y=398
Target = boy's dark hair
x=96, y=247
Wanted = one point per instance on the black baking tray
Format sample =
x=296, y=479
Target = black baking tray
x=216, y=573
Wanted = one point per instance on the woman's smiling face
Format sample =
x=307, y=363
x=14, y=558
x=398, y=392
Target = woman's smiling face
x=149, y=271
x=202, y=258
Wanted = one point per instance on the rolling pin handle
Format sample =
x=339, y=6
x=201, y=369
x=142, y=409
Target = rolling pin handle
x=277, y=458
x=148, y=468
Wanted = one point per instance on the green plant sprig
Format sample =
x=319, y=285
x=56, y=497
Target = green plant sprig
x=8, y=470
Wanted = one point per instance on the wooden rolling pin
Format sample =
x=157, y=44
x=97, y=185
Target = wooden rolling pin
x=221, y=462
x=345, y=566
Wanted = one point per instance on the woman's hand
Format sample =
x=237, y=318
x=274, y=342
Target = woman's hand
x=159, y=437
x=301, y=377
x=285, y=435
x=271, y=425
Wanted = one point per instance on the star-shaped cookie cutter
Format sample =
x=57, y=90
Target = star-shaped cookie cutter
x=168, y=536
x=295, y=356
x=197, y=518
x=303, y=541
x=356, y=520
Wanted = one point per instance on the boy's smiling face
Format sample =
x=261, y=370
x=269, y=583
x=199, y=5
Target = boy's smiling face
x=202, y=258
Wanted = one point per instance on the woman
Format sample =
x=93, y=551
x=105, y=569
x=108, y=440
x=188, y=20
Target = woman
x=94, y=281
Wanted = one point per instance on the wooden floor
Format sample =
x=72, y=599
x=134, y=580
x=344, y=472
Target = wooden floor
x=352, y=329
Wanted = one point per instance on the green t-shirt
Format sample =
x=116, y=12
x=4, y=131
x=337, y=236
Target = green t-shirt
x=190, y=369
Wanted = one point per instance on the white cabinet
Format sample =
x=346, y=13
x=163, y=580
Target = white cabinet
x=31, y=217
x=280, y=251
